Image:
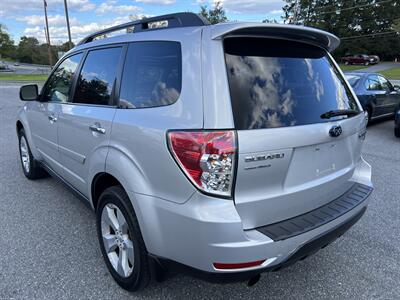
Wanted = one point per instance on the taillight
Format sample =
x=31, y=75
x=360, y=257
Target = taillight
x=206, y=157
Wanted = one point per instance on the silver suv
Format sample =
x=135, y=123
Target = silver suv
x=223, y=150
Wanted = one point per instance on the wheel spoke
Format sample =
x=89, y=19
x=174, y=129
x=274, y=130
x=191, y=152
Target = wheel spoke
x=110, y=243
x=130, y=251
x=123, y=225
x=110, y=218
x=123, y=266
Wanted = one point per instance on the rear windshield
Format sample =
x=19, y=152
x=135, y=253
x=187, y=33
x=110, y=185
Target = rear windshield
x=277, y=83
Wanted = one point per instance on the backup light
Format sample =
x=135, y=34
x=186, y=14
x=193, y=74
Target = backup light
x=206, y=157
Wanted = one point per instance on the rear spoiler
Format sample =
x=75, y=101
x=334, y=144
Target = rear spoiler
x=303, y=34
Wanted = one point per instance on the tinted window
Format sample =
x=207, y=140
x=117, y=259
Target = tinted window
x=152, y=75
x=97, y=77
x=59, y=84
x=275, y=83
x=352, y=79
x=373, y=83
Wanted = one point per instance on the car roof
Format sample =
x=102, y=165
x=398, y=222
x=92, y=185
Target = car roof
x=184, y=23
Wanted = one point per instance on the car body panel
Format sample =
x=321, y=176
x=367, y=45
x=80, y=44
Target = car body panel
x=80, y=148
x=178, y=221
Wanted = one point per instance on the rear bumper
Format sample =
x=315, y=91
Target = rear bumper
x=303, y=252
x=207, y=230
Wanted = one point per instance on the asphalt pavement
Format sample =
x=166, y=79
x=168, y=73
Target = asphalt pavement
x=381, y=67
x=49, y=248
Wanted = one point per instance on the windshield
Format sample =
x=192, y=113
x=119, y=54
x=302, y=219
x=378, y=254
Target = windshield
x=352, y=79
x=277, y=83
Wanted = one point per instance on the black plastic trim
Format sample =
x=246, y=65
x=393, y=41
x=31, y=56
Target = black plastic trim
x=318, y=217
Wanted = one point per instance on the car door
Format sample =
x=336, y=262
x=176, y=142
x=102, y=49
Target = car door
x=392, y=97
x=44, y=114
x=377, y=95
x=85, y=121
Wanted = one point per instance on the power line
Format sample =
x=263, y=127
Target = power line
x=367, y=35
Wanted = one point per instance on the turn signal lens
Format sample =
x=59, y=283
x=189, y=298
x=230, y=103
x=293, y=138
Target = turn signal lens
x=206, y=157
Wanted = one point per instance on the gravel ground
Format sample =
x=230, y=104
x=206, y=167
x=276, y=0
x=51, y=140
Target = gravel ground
x=49, y=248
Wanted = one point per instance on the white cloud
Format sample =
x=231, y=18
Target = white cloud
x=59, y=35
x=276, y=12
x=248, y=7
x=110, y=6
x=157, y=2
x=54, y=20
x=18, y=7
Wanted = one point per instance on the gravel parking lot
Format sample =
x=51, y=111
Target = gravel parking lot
x=49, y=248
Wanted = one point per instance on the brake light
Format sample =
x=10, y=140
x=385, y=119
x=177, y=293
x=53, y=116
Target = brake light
x=206, y=157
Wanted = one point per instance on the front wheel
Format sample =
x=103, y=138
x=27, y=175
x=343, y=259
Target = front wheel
x=121, y=240
x=366, y=63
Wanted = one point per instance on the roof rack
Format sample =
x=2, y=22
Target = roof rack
x=186, y=19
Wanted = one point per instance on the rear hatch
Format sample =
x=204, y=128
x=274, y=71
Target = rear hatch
x=291, y=160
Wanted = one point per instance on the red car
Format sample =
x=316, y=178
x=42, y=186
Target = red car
x=360, y=59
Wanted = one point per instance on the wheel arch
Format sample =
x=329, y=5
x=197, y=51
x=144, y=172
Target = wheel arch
x=101, y=181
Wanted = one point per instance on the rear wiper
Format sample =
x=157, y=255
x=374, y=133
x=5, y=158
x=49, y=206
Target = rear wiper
x=339, y=112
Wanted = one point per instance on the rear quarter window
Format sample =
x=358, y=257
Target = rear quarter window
x=277, y=83
x=152, y=75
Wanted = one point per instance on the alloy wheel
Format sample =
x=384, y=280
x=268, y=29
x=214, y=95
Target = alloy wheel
x=117, y=240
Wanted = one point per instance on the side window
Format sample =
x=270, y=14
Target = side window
x=96, y=80
x=152, y=75
x=373, y=83
x=59, y=84
x=386, y=85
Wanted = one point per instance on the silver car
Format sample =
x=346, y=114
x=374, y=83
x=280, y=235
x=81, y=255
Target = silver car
x=222, y=150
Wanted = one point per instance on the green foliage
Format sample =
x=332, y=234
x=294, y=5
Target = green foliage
x=7, y=48
x=360, y=24
x=214, y=15
x=393, y=73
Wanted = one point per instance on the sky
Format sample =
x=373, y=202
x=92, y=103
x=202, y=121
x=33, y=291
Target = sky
x=26, y=17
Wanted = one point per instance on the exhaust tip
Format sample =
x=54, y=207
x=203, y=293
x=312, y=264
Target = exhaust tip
x=253, y=280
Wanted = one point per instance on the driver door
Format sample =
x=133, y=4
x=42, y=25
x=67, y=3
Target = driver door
x=44, y=114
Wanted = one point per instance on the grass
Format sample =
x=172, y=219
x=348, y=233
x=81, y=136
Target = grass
x=7, y=59
x=393, y=73
x=351, y=67
x=22, y=77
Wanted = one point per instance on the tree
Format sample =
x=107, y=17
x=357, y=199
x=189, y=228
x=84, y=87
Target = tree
x=214, y=15
x=7, y=48
x=364, y=27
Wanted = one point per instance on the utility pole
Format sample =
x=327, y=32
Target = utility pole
x=48, y=33
x=68, y=28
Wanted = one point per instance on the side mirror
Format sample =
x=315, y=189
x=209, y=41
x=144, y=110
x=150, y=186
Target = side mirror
x=29, y=92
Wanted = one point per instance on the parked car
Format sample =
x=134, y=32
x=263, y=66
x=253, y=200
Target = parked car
x=201, y=146
x=376, y=94
x=360, y=59
x=397, y=123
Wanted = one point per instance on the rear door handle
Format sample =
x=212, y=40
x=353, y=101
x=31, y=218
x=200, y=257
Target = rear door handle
x=97, y=128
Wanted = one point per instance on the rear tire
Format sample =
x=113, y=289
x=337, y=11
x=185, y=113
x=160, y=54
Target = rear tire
x=369, y=111
x=397, y=132
x=118, y=230
x=30, y=166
